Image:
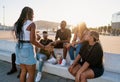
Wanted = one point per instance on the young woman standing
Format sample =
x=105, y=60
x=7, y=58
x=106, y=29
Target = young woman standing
x=25, y=31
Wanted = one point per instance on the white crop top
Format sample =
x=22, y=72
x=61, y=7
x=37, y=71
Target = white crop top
x=26, y=33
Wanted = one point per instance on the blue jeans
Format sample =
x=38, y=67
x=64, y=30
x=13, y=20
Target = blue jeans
x=72, y=49
x=41, y=58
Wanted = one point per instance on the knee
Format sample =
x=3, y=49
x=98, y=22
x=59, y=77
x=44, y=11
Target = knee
x=40, y=60
x=64, y=46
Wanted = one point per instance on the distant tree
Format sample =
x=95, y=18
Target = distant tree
x=109, y=29
x=114, y=31
x=117, y=32
x=91, y=28
x=100, y=30
x=105, y=29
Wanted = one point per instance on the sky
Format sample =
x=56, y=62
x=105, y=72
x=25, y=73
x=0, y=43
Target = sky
x=93, y=12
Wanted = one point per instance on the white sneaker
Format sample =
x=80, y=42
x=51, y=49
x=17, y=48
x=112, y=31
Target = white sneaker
x=52, y=60
x=63, y=62
x=71, y=62
x=27, y=75
x=38, y=77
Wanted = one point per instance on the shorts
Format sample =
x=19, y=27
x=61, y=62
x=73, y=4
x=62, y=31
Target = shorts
x=97, y=71
x=25, y=54
x=60, y=45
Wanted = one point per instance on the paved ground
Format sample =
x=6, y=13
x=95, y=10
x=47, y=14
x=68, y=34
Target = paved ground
x=5, y=67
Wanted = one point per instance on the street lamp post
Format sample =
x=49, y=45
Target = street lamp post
x=4, y=17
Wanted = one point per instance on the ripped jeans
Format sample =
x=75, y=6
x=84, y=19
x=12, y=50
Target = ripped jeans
x=41, y=58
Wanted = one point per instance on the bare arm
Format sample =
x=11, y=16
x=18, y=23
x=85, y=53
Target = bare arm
x=75, y=37
x=81, y=70
x=76, y=60
x=84, y=67
x=33, y=36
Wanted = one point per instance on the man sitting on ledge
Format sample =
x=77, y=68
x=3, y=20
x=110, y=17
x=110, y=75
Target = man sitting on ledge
x=43, y=54
x=64, y=36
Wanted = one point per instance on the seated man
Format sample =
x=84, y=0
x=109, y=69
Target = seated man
x=43, y=54
x=64, y=35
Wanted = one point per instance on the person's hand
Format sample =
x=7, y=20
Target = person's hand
x=78, y=75
x=68, y=45
x=73, y=44
x=49, y=48
x=70, y=68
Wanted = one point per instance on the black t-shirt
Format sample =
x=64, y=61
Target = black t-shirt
x=45, y=42
x=63, y=35
x=92, y=54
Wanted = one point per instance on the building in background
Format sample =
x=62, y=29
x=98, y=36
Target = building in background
x=116, y=20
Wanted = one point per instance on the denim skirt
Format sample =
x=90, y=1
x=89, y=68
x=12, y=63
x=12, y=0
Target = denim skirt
x=25, y=54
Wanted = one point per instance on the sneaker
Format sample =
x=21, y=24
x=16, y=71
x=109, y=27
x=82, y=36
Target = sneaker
x=63, y=62
x=71, y=62
x=38, y=77
x=52, y=60
x=12, y=71
x=27, y=75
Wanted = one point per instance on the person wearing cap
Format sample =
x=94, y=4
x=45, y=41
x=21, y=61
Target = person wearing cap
x=43, y=54
x=89, y=63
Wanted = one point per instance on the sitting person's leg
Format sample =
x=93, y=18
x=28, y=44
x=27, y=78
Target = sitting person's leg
x=78, y=49
x=64, y=56
x=88, y=74
x=71, y=53
x=14, y=69
x=41, y=58
x=52, y=60
x=73, y=70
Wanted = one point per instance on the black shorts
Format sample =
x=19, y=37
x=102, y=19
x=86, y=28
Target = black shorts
x=60, y=45
x=97, y=71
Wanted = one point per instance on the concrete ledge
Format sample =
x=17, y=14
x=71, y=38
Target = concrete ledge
x=7, y=45
x=5, y=56
x=111, y=64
